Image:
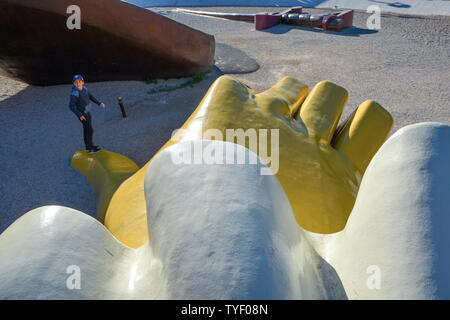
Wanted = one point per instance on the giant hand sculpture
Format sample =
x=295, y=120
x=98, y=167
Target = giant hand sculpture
x=320, y=165
x=228, y=232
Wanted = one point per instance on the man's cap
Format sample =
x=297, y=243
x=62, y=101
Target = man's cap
x=77, y=77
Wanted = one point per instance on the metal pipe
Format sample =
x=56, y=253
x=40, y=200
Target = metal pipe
x=122, y=108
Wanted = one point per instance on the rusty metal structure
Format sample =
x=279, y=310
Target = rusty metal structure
x=116, y=41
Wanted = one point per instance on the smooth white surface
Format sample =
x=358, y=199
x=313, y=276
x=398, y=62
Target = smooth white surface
x=37, y=249
x=227, y=232
x=422, y=7
x=400, y=222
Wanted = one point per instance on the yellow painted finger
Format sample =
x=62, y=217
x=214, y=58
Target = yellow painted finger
x=364, y=133
x=105, y=172
x=285, y=97
x=322, y=109
x=226, y=87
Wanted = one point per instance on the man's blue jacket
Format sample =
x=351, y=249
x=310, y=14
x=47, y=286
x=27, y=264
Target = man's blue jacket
x=80, y=99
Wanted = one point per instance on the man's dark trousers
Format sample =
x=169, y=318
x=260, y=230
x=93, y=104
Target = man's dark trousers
x=88, y=131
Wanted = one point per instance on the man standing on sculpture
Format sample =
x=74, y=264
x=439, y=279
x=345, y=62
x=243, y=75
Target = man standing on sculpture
x=80, y=103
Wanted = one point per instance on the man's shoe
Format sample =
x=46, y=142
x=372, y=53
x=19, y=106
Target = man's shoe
x=95, y=149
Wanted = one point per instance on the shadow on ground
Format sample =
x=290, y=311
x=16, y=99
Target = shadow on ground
x=349, y=32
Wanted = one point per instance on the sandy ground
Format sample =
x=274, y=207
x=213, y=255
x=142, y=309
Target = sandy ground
x=404, y=66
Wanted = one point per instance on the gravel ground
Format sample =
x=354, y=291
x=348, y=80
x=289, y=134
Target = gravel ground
x=404, y=66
